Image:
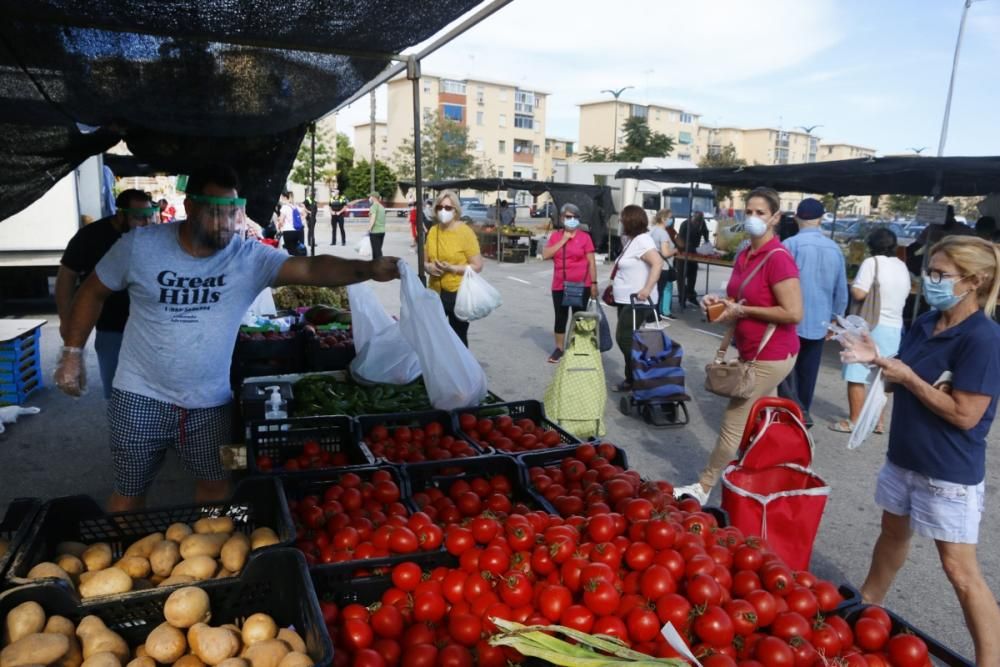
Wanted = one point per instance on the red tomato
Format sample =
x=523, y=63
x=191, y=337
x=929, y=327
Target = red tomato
x=611, y=626
x=880, y=615
x=826, y=640
x=387, y=622
x=454, y=655
x=790, y=624
x=516, y=589
x=907, y=651
x=356, y=634
x=601, y=597
x=714, y=627
x=406, y=576
x=643, y=625
x=802, y=601
x=368, y=657
x=765, y=605
x=656, y=581
x=553, y=601
x=458, y=540
x=827, y=596
x=703, y=590
x=774, y=652
x=744, y=616
x=870, y=634
x=464, y=628
x=429, y=607
x=403, y=541
x=577, y=617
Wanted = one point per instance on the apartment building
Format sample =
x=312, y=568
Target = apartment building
x=830, y=152
x=556, y=150
x=506, y=122
x=597, y=124
x=363, y=142
x=761, y=145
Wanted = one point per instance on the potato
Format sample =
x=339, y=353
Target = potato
x=267, y=653
x=70, y=549
x=144, y=547
x=213, y=645
x=223, y=573
x=106, y=582
x=164, y=557
x=97, y=638
x=189, y=661
x=293, y=639
x=234, y=552
x=263, y=537
x=35, y=649
x=97, y=557
x=296, y=659
x=45, y=570
x=27, y=618
x=214, y=524
x=103, y=659
x=140, y=651
x=73, y=657
x=72, y=565
x=60, y=625
x=166, y=644
x=234, y=662
x=186, y=607
x=199, y=567
x=257, y=628
x=173, y=581
x=144, y=661
x=176, y=532
x=136, y=567
x=203, y=545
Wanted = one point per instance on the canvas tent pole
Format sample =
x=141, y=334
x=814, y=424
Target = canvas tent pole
x=413, y=74
x=836, y=207
x=312, y=187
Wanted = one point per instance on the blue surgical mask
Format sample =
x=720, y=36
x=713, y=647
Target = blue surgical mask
x=942, y=295
x=755, y=227
x=571, y=223
x=670, y=222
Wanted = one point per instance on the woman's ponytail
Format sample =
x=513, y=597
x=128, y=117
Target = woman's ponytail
x=991, y=299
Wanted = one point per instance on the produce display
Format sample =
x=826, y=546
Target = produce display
x=506, y=434
x=290, y=297
x=263, y=336
x=313, y=457
x=209, y=549
x=326, y=395
x=334, y=339
x=184, y=639
x=405, y=444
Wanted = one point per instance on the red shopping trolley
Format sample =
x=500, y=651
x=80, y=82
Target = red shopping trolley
x=771, y=489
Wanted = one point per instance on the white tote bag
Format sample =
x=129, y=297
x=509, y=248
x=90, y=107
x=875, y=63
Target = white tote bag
x=364, y=247
x=368, y=317
x=476, y=298
x=453, y=377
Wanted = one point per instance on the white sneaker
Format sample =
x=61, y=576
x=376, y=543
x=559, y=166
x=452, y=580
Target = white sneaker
x=694, y=490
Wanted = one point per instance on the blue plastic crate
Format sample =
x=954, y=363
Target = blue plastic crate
x=21, y=347
x=19, y=396
x=21, y=378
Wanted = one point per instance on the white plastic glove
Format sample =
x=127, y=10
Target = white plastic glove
x=10, y=413
x=71, y=372
x=858, y=348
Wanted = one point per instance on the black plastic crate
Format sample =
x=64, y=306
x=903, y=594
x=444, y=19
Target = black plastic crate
x=336, y=582
x=267, y=357
x=414, y=419
x=553, y=456
x=16, y=526
x=939, y=653
x=533, y=410
x=441, y=474
x=276, y=583
x=284, y=439
x=255, y=503
x=319, y=358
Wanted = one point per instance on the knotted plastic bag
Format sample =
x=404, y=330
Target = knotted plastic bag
x=476, y=298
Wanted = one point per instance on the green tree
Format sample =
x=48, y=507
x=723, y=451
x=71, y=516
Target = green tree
x=726, y=157
x=903, y=204
x=326, y=168
x=641, y=141
x=829, y=202
x=445, y=152
x=345, y=160
x=596, y=154
x=359, y=178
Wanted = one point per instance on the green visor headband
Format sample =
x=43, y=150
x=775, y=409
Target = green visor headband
x=218, y=201
x=149, y=210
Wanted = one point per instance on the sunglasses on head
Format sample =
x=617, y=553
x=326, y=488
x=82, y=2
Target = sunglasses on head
x=444, y=207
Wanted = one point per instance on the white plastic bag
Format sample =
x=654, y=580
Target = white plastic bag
x=871, y=412
x=10, y=413
x=364, y=247
x=476, y=298
x=453, y=377
x=383, y=355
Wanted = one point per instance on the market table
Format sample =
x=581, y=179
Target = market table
x=503, y=246
x=708, y=260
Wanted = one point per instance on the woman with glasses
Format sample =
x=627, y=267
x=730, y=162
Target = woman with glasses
x=893, y=279
x=945, y=384
x=572, y=252
x=450, y=247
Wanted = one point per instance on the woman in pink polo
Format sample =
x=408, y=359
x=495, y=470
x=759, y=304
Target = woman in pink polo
x=765, y=306
x=572, y=252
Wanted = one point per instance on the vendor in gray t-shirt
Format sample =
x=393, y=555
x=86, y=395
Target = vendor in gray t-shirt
x=190, y=285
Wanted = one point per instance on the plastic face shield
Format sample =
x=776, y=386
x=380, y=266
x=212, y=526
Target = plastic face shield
x=216, y=220
x=140, y=217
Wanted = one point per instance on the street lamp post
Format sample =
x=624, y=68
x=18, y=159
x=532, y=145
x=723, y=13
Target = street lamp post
x=951, y=81
x=808, y=129
x=616, y=94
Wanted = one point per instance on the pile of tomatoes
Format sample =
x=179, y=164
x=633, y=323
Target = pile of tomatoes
x=470, y=501
x=313, y=457
x=508, y=435
x=356, y=519
x=405, y=444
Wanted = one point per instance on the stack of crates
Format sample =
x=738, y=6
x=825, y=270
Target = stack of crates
x=20, y=367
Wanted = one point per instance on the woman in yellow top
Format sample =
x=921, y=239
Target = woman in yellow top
x=450, y=247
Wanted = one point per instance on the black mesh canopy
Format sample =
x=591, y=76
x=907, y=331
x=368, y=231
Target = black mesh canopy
x=187, y=82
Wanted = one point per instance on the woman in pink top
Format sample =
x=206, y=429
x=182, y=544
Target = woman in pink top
x=572, y=251
x=765, y=302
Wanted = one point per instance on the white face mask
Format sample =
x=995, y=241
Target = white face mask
x=446, y=216
x=755, y=227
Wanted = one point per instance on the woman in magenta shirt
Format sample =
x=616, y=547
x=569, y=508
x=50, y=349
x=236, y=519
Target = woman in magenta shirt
x=765, y=302
x=572, y=251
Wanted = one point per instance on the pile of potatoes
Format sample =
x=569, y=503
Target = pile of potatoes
x=183, y=640
x=182, y=555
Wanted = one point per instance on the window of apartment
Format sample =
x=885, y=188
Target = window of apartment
x=686, y=118
x=657, y=115
x=503, y=94
x=503, y=120
x=427, y=88
x=523, y=121
x=455, y=87
x=453, y=112
x=499, y=172
x=684, y=138
x=639, y=111
x=524, y=101
x=516, y=174
x=480, y=146
x=569, y=148
x=480, y=118
x=501, y=147
x=674, y=116
x=535, y=149
x=521, y=146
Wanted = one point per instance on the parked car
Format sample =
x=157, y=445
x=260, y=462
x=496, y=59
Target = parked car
x=546, y=211
x=358, y=208
x=476, y=211
x=468, y=201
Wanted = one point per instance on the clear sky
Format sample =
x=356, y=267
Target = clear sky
x=871, y=72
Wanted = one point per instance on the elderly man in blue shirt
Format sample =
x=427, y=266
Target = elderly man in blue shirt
x=824, y=293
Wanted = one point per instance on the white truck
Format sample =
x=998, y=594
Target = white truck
x=651, y=195
x=32, y=241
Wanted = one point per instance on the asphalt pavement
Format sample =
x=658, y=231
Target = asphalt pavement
x=64, y=451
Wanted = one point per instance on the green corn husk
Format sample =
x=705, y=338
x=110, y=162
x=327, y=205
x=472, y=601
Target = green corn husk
x=533, y=641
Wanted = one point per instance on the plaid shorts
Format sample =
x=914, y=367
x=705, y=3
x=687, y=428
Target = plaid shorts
x=142, y=428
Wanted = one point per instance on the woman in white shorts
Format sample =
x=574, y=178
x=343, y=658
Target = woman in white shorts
x=946, y=381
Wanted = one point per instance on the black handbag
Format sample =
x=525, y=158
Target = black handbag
x=575, y=295
x=670, y=273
